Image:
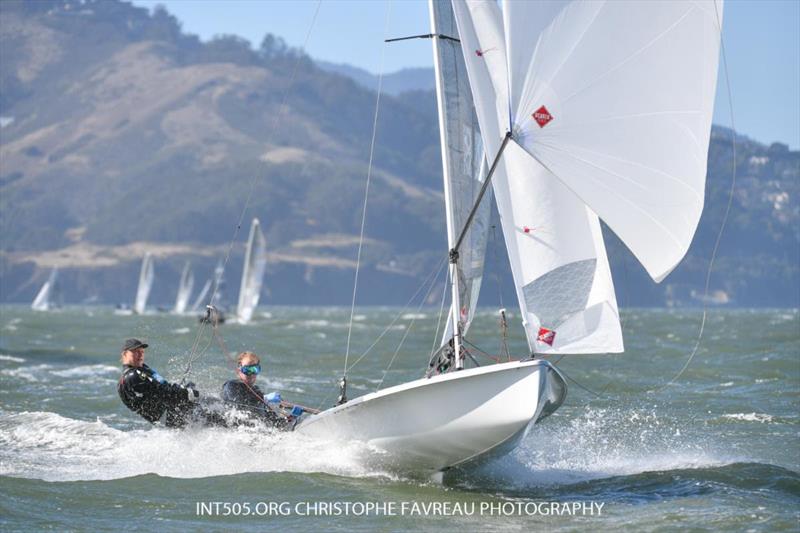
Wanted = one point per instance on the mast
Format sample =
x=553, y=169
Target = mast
x=455, y=308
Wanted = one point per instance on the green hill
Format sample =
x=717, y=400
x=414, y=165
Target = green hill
x=121, y=134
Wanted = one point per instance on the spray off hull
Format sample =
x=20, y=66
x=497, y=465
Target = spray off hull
x=429, y=425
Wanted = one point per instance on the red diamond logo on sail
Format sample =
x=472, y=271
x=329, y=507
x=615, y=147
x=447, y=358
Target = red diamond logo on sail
x=542, y=116
x=546, y=336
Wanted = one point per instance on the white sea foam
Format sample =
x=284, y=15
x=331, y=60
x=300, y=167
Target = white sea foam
x=33, y=374
x=602, y=443
x=181, y=331
x=414, y=316
x=749, y=417
x=44, y=445
x=86, y=370
x=11, y=358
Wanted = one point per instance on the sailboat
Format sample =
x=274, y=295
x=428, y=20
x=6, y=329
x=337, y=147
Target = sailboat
x=217, y=300
x=255, y=264
x=201, y=296
x=587, y=111
x=185, y=287
x=45, y=296
x=146, y=277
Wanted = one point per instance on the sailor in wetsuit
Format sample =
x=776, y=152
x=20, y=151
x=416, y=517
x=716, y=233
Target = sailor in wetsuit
x=244, y=394
x=152, y=397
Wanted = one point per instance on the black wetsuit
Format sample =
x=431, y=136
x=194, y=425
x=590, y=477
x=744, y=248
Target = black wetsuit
x=236, y=393
x=146, y=393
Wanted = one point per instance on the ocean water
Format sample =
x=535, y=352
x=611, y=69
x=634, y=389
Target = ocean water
x=717, y=449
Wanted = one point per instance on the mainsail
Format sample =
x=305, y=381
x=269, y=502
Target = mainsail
x=255, y=264
x=463, y=164
x=146, y=278
x=42, y=302
x=555, y=244
x=184, y=289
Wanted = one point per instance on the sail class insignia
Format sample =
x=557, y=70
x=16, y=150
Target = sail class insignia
x=547, y=336
x=542, y=116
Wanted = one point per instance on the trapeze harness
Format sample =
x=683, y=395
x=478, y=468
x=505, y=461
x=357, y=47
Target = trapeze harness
x=149, y=395
x=250, y=399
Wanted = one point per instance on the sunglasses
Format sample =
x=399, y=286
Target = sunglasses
x=249, y=370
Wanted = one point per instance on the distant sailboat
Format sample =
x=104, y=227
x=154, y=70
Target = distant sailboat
x=198, y=302
x=255, y=264
x=184, y=289
x=44, y=298
x=217, y=300
x=146, y=277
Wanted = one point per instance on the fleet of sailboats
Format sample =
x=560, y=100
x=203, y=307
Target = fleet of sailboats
x=585, y=111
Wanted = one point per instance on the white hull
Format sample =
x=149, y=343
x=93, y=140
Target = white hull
x=429, y=425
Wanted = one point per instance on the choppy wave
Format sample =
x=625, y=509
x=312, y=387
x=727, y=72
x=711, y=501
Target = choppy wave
x=750, y=417
x=48, y=446
x=11, y=358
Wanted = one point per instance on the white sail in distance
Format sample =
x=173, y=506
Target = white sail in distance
x=463, y=165
x=255, y=265
x=615, y=98
x=554, y=242
x=201, y=297
x=146, y=278
x=185, y=287
x=42, y=302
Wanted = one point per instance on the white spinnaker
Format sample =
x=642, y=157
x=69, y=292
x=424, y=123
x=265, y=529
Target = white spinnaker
x=146, y=278
x=184, y=289
x=463, y=162
x=42, y=302
x=255, y=264
x=554, y=241
x=624, y=94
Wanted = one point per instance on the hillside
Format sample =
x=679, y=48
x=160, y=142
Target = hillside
x=121, y=134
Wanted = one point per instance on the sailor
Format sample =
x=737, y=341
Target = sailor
x=244, y=394
x=146, y=393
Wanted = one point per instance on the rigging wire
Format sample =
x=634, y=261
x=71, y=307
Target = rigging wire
x=251, y=189
x=397, y=317
x=408, y=329
x=441, y=310
x=399, y=314
x=366, y=189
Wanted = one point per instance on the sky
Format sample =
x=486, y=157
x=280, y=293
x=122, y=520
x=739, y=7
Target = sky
x=761, y=38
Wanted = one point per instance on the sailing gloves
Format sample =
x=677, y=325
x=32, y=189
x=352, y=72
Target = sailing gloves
x=273, y=397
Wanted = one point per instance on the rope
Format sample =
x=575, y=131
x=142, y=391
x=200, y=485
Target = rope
x=441, y=311
x=251, y=189
x=397, y=317
x=366, y=190
x=408, y=329
x=724, y=219
x=435, y=271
